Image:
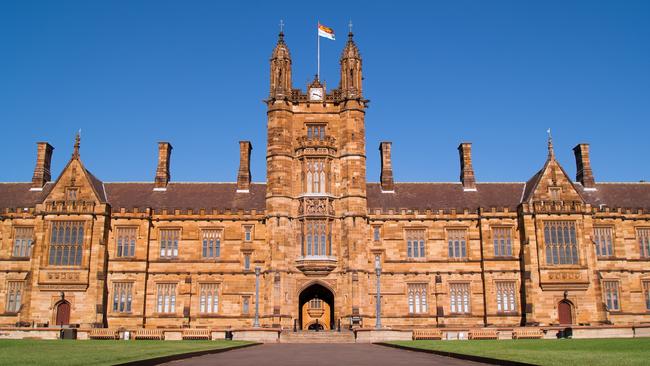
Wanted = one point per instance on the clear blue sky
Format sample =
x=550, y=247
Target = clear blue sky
x=496, y=73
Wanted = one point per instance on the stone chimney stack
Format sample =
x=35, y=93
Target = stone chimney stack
x=584, y=174
x=466, y=169
x=244, y=173
x=162, y=172
x=387, y=184
x=42, y=173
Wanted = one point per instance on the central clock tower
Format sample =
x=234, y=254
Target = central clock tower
x=316, y=187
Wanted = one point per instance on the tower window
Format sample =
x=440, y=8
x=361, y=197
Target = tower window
x=316, y=132
x=315, y=176
x=316, y=238
x=561, y=242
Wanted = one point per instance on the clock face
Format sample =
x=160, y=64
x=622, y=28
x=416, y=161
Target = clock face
x=316, y=94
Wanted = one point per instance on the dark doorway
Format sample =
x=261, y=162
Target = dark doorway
x=310, y=318
x=564, y=311
x=63, y=313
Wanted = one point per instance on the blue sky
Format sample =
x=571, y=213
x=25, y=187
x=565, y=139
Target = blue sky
x=496, y=73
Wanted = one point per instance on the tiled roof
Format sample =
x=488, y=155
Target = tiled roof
x=420, y=196
x=186, y=195
x=437, y=196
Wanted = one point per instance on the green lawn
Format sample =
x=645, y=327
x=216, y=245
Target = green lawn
x=67, y=352
x=565, y=352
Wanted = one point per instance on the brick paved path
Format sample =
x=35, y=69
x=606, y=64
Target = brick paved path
x=320, y=354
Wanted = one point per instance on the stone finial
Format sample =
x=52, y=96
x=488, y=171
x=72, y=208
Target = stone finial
x=162, y=172
x=466, y=169
x=42, y=173
x=584, y=174
x=387, y=183
x=244, y=172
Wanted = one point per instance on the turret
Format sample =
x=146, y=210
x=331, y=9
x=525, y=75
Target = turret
x=280, y=70
x=351, y=76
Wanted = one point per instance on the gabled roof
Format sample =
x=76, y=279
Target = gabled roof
x=615, y=195
x=19, y=195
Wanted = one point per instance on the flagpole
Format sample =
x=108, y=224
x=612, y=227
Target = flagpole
x=318, y=53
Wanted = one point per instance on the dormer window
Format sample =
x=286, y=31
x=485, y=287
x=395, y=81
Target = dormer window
x=316, y=132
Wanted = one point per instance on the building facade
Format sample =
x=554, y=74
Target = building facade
x=316, y=237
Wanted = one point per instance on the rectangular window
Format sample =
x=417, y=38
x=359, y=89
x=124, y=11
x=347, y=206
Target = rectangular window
x=23, y=241
x=14, y=296
x=126, y=237
x=169, y=243
x=248, y=232
x=122, y=297
x=506, y=297
x=166, y=298
x=611, y=295
x=502, y=240
x=646, y=293
x=561, y=242
x=315, y=176
x=644, y=241
x=315, y=304
x=245, y=304
x=316, y=132
x=376, y=234
x=415, y=243
x=211, y=243
x=603, y=241
x=555, y=193
x=457, y=243
x=316, y=238
x=209, y=298
x=247, y=262
x=66, y=243
x=459, y=298
x=417, y=298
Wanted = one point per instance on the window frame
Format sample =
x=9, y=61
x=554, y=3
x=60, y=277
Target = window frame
x=376, y=233
x=552, y=251
x=643, y=241
x=457, y=290
x=27, y=242
x=506, y=296
x=174, y=249
x=508, y=245
x=209, y=305
x=451, y=248
x=416, y=243
x=246, y=304
x=215, y=247
x=608, y=285
x=645, y=285
x=247, y=231
x=417, y=294
x=319, y=127
x=54, y=249
x=14, y=296
x=123, y=297
x=169, y=291
x=130, y=246
x=608, y=245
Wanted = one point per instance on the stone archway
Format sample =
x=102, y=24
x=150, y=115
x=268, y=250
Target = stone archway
x=565, y=312
x=316, y=308
x=62, y=313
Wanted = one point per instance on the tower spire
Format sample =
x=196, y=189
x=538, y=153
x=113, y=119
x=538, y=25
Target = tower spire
x=551, y=151
x=77, y=143
x=351, y=74
x=280, y=68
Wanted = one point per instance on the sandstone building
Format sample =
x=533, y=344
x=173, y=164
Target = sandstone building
x=548, y=251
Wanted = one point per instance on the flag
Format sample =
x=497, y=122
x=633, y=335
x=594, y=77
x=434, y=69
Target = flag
x=326, y=32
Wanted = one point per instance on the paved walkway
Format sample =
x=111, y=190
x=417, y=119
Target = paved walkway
x=320, y=354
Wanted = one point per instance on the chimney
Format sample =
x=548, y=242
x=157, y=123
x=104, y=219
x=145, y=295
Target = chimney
x=162, y=172
x=42, y=170
x=244, y=173
x=466, y=169
x=387, y=184
x=584, y=174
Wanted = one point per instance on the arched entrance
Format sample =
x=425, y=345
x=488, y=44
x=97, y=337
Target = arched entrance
x=63, y=313
x=316, y=308
x=565, y=312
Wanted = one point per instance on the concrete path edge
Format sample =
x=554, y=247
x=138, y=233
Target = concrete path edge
x=488, y=360
x=180, y=356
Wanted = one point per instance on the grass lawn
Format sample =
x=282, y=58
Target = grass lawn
x=69, y=352
x=565, y=352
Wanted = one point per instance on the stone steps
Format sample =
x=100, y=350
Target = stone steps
x=317, y=337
